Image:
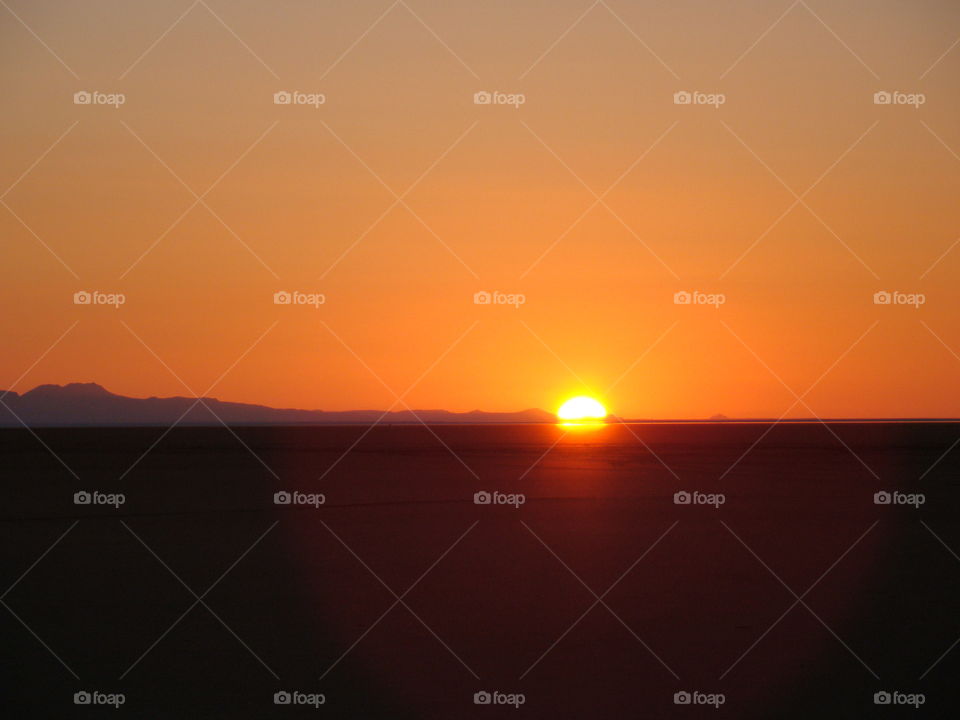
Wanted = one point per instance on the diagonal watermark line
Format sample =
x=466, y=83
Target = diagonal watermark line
x=199, y=599
x=157, y=41
x=39, y=439
x=798, y=599
x=238, y=38
x=395, y=403
x=203, y=401
x=598, y=199
x=438, y=39
x=937, y=661
x=757, y=41
x=937, y=261
x=940, y=140
x=559, y=359
x=585, y=385
x=39, y=159
x=196, y=402
x=937, y=461
x=17, y=582
x=599, y=600
x=799, y=199
x=48, y=48
x=797, y=402
x=839, y=39
x=358, y=40
x=39, y=239
x=399, y=599
x=399, y=398
x=398, y=199
x=940, y=540
x=642, y=356
x=37, y=561
x=199, y=199
x=39, y=639
x=179, y=19
x=559, y=39
x=650, y=450
x=940, y=340
x=543, y=455
x=639, y=39
x=955, y=642
x=627, y=425
x=957, y=441
x=799, y=398
x=940, y=59
x=37, y=361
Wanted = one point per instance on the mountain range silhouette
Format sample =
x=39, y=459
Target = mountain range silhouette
x=77, y=404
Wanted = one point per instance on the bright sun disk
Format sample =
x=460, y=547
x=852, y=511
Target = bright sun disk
x=581, y=408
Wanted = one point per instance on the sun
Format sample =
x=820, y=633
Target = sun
x=581, y=409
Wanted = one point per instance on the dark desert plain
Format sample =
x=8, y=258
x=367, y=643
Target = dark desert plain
x=399, y=596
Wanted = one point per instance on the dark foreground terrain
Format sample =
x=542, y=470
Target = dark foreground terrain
x=399, y=596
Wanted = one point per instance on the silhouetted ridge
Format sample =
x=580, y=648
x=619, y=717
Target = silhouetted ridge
x=92, y=404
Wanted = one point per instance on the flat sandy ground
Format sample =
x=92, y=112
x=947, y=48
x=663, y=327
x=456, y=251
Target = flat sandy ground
x=598, y=597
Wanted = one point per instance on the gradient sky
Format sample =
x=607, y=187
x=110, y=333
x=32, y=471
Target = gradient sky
x=303, y=198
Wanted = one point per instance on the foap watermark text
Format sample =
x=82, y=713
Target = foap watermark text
x=95, y=697
x=885, y=97
x=495, y=497
x=496, y=697
x=282, y=297
x=685, y=97
x=496, y=297
x=895, y=297
x=95, y=97
x=95, y=297
x=295, y=697
x=683, y=297
x=514, y=100
x=684, y=497
x=884, y=497
x=695, y=697
x=295, y=97
x=298, y=498
x=895, y=697
x=82, y=497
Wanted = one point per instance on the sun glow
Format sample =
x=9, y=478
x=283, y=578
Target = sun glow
x=581, y=410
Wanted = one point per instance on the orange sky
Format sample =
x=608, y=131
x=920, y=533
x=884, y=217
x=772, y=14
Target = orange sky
x=503, y=199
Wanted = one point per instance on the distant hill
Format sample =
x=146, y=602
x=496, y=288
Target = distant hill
x=92, y=404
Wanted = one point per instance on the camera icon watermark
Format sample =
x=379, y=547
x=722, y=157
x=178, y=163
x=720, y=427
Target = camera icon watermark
x=295, y=97
x=684, y=497
x=895, y=697
x=295, y=697
x=683, y=297
x=314, y=500
x=315, y=300
x=496, y=697
x=914, y=500
x=483, y=297
x=83, y=297
x=82, y=497
x=95, y=697
x=914, y=300
x=499, y=98
x=685, y=97
x=695, y=697
x=884, y=97
x=484, y=497
x=87, y=97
